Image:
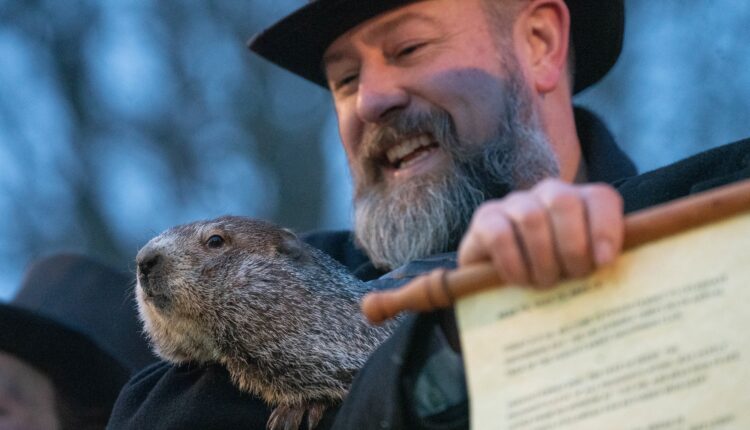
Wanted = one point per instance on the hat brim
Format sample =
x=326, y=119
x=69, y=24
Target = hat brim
x=84, y=374
x=297, y=42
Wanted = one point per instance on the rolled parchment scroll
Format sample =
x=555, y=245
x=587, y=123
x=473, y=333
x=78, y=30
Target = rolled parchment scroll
x=441, y=288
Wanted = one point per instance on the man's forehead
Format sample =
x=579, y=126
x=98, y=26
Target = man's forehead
x=378, y=27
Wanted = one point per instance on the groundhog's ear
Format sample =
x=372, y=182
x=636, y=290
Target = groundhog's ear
x=292, y=246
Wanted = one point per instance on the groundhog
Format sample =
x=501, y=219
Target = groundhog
x=280, y=315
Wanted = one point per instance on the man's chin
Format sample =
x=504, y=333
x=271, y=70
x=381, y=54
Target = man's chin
x=405, y=220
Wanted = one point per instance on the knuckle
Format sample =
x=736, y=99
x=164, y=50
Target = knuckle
x=530, y=217
x=565, y=201
x=489, y=225
x=548, y=184
x=514, y=198
x=602, y=191
x=500, y=239
x=487, y=209
x=491, y=230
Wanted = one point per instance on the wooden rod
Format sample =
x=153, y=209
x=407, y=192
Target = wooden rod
x=441, y=288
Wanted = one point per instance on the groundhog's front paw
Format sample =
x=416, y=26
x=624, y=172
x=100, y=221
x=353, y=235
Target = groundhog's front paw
x=289, y=417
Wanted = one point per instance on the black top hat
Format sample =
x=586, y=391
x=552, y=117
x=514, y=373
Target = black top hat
x=297, y=42
x=74, y=319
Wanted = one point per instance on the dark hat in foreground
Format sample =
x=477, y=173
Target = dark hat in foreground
x=298, y=42
x=74, y=319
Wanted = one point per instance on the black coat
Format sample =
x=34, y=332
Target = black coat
x=187, y=397
x=380, y=396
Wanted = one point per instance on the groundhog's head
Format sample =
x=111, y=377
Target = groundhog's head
x=197, y=283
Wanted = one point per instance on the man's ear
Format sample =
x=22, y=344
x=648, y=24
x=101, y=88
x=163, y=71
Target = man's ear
x=543, y=32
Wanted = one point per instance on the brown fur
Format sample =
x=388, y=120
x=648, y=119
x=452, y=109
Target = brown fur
x=281, y=316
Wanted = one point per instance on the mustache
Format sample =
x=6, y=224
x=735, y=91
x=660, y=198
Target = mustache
x=395, y=128
x=399, y=125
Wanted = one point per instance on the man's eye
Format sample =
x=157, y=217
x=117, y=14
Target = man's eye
x=346, y=80
x=409, y=49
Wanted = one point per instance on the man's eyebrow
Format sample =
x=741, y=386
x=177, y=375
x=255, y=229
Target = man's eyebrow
x=332, y=57
x=391, y=25
x=381, y=30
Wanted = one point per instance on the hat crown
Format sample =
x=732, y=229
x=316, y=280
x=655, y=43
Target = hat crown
x=298, y=41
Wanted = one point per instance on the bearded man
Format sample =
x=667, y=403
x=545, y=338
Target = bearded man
x=457, y=120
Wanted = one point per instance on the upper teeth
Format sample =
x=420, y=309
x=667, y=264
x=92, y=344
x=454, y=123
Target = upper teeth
x=406, y=147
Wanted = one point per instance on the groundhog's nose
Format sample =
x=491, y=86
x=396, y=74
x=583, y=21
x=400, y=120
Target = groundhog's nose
x=147, y=261
x=151, y=263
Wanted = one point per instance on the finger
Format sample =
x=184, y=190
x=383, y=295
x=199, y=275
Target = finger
x=606, y=223
x=534, y=236
x=491, y=236
x=567, y=212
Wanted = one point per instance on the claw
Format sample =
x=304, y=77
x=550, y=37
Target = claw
x=289, y=417
x=315, y=414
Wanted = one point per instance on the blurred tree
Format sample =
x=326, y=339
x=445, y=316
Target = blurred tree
x=120, y=119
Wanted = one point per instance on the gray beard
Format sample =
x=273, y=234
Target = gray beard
x=428, y=214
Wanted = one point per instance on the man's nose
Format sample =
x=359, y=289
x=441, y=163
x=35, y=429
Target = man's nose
x=380, y=92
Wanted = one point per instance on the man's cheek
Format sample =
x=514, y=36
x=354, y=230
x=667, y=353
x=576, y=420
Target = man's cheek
x=474, y=98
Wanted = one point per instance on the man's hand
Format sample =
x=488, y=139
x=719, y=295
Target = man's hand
x=551, y=232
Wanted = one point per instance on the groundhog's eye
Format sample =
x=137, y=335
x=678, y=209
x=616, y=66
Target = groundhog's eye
x=215, y=241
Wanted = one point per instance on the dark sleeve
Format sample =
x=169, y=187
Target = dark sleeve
x=382, y=396
x=164, y=396
x=709, y=169
x=411, y=381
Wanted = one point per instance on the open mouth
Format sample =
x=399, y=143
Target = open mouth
x=409, y=151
